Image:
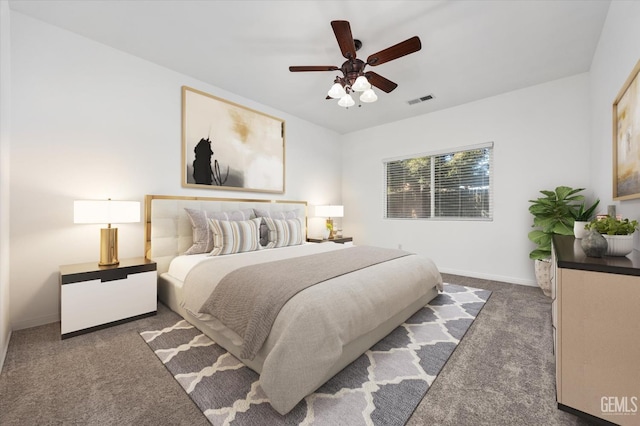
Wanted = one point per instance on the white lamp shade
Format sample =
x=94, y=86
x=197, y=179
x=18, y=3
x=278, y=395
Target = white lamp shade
x=336, y=91
x=330, y=211
x=346, y=101
x=368, y=96
x=106, y=211
x=361, y=84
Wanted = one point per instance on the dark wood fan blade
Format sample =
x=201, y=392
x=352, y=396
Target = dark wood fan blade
x=380, y=82
x=394, y=52
x=342, y=30
x=314, y=68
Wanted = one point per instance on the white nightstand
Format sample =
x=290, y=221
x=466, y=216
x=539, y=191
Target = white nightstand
x=94, y=297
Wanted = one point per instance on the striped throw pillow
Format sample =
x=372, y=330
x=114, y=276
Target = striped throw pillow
x=234, y=236
x=284, y=232
x=202, y=237
x=287, y=214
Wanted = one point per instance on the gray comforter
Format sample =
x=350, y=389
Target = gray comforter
x=249, y=299
x=316, y=329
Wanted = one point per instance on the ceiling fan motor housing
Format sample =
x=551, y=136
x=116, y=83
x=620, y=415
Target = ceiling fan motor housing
x=352, y=69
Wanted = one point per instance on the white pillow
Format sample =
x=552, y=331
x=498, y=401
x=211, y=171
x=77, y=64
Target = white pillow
x=234, y=236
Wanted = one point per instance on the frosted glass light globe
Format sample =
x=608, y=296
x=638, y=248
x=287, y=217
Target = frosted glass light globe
x=368, y=96
x=336, y=91
x=346, y=101
x=361, y=84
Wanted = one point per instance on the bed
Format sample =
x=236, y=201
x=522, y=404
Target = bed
x=320, y=329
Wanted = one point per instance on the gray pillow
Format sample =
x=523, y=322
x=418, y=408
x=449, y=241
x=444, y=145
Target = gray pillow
x=202, y=236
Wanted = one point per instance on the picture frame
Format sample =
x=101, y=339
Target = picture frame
x=626, y=139
x=226, y=146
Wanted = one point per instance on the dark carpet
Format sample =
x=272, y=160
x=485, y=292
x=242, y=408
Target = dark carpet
x=502, y=373
x=382, y=387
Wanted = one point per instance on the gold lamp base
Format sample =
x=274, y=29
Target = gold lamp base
x=108, y=246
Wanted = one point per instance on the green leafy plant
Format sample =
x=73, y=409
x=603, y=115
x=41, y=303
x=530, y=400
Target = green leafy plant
x=553, y=214
x=611, y=226
x=583, y=214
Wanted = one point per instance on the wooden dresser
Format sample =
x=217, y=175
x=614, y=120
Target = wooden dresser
x=596, y=320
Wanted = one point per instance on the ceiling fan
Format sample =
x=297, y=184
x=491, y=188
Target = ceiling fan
x=354, y=78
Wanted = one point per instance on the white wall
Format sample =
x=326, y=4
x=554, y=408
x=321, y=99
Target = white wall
x=617, y=53
x=5, y=96
x=541, y=140
x=89, y=122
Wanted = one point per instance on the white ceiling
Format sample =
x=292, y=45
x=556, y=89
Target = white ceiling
x=470, y=49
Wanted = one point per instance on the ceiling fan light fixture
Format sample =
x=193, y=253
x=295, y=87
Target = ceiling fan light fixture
x=346, y=101
x=361, y=84
x=336, y=91
x=354, y=78
x=368, y=96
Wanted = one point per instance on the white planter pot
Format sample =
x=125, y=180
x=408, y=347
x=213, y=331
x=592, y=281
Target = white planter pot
x=619, y=245
x=578, y=229
x=543, y=275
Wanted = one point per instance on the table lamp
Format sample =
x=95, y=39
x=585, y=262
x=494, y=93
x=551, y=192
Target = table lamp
x=330, y=212
x=107, y=212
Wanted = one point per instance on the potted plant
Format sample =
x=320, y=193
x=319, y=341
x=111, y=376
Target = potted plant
x=581, y=218
x=552, y=214
x=617, y=232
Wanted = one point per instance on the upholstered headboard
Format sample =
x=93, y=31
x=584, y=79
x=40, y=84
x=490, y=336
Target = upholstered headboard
x=168, y=231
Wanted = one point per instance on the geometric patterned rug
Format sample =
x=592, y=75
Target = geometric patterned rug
x=382, y=387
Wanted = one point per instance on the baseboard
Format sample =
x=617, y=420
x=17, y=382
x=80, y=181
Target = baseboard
x=4, y=349
x=491, y=277
x=35, y=322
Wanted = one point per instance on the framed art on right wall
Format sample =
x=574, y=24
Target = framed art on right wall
x=626, y=139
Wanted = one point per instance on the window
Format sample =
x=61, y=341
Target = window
x=446, y=185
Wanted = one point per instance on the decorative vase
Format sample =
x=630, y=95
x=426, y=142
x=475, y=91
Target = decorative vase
x=594, y=244
x=619, y=245
x=578, y=229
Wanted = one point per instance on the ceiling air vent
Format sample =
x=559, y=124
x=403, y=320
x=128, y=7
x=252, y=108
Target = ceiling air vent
x=420, y=99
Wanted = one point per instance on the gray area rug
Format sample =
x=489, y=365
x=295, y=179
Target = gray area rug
x=381, y=387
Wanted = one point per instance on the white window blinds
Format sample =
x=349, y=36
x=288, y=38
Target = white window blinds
x=455, y=184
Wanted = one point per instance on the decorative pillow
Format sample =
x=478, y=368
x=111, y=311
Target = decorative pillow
x=264, y=231
x=235, y=236
x=202, y=237
x=287, y=232
x=287, y=214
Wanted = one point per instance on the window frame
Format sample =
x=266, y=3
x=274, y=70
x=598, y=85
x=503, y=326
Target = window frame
x=432, y=155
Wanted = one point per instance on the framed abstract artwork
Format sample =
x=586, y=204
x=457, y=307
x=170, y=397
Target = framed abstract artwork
x=230, y=147
x=626, y=139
